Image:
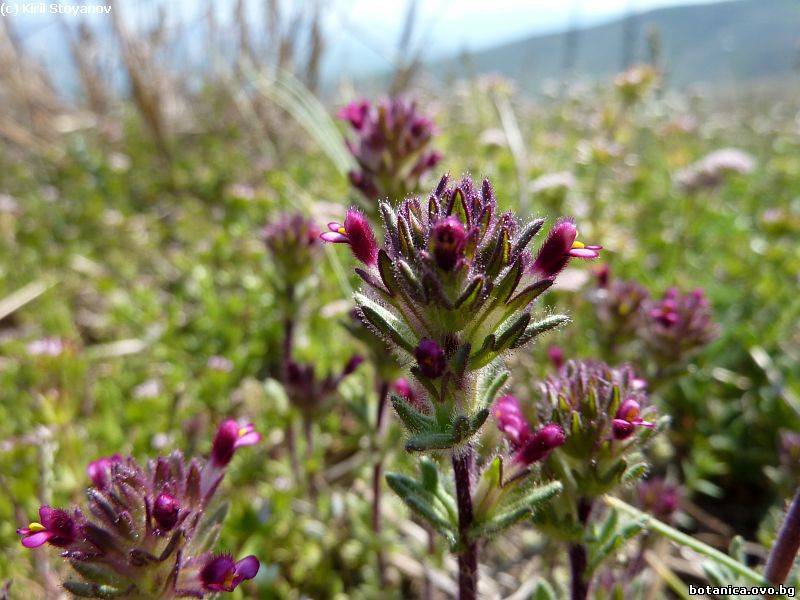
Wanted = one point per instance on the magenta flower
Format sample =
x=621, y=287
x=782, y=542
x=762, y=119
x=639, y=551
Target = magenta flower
x=356, y=113
x=561, y=245
x=99, y=471
x=448, y=240
x=626, y=419
x=230, y=437
x=529, y=446
x=55, y=527
x=357, y=232
x=222, y=574
x=430, y=358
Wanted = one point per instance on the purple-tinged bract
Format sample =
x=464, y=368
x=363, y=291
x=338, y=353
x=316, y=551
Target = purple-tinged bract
x=678, y=325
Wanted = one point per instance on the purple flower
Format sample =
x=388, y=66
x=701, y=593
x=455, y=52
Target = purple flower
x=430, y=358
x=538, y=445
x=559, y=247
x=352, y=364
x=448, y=239
x=356, y=112
x=222, y=574
x=55, y=527
x=529, y=446
x=357, y=232
x=165, y=511
x=626, y=419
x=230, y=437
x=99, y=470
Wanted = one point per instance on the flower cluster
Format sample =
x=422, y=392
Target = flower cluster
x=678, y=324
x=293, y=242
x=452, y=290
x=659, y=497
x=619, y=306
x=635, y=82
x=391, y=148
x=605, y=415
x=711, y=171
x=146, y=532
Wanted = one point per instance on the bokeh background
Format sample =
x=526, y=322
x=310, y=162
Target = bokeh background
x=143, y=151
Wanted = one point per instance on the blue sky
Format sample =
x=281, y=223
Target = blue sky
x=369, y=29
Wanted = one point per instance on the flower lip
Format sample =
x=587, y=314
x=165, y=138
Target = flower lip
x=222, y=574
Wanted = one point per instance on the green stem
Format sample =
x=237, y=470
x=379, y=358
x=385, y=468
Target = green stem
x=678, y=537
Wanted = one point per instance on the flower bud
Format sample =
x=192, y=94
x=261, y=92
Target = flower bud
x=538, y=445
x=448, y=240
x=626, y=419
x=165, y=511
x=99, y=470
x=430, y=358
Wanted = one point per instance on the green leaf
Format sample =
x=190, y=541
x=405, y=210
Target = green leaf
x=386, y=272
x=422, y=503
x=430, y=441
x=544, y=591
x=94, y=590
x=513, y=513
x=526, y=235
x=386, y=322
x=208, y=531
x=413, y=420
x=95, y=572
x=510, y=331
x=535, y=329
x=470, y=292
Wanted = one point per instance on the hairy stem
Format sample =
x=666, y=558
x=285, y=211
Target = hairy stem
x=783, y=552
x=468, y=550
x=377, y=474
x=578, y=556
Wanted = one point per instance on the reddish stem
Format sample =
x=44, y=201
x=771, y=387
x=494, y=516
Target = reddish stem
x=463, y=462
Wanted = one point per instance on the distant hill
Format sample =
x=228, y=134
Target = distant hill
x=720, y=43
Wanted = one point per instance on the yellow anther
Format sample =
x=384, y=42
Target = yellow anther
x=342, y=230
x=36, y=527
x=242, y=431
x=578, y=245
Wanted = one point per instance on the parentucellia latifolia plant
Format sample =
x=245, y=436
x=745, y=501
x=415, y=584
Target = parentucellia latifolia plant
x=451, y=291
x=147, y=533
